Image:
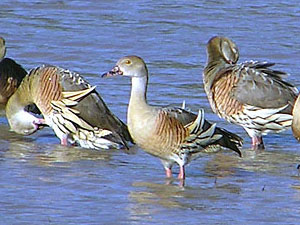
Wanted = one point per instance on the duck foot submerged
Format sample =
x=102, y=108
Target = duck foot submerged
x=170, y=180
x=168, y=173
x=257, y=143
x=181, y=176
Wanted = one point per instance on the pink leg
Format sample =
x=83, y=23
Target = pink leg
x=168, y=172
x=257, y=143
x=64, y=140
x=181, y=174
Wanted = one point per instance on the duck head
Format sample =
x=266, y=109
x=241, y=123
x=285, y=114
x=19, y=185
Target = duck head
x=131, y=66
x=222, y=48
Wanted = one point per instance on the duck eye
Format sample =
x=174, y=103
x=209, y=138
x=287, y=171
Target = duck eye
x=128, y=62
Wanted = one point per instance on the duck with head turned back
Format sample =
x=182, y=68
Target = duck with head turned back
x=70, y=106
x=250, y=94
x=172, y=134
x=11, y=75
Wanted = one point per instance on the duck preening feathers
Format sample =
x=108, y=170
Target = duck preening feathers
x=70, y=106
x=249, y=94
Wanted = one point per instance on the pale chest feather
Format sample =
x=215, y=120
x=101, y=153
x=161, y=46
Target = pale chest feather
x=141, y=124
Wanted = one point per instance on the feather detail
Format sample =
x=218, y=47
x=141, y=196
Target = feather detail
x=76, y=95
x=199, y=138
x=70, y=106
x=63, y=107
x=96, y=139
x=249, y=94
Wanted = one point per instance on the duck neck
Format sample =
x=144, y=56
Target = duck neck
x=2, y=53
x=212, y=69
x=20, y=120
x=138, y=98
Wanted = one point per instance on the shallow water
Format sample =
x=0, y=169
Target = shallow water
x=42, y=182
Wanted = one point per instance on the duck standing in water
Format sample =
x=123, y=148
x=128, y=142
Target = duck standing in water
x=172, y=134
x=250, y=94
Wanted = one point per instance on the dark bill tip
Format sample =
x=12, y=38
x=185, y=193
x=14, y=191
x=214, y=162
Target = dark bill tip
x=114, y=72
x=108, y=74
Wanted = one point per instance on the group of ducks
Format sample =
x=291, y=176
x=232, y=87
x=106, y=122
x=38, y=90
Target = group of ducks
x=249, y=94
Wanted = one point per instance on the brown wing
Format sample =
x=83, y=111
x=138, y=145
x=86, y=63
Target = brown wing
x=262, y=87
x=92, y=107
x=227, y=140
x=49, y=86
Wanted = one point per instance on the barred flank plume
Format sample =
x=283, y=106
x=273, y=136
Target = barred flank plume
x=68, y=121
x=225, y=105
x=104, y=118
x=265, y=120
x=96, y=139
x=205, y=135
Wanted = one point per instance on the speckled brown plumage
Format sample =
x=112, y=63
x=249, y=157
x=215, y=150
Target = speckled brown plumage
x=222, y=97
x=250, y=94
x=70, y=106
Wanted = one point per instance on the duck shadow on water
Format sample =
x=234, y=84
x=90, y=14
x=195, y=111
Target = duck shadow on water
x=222, y=172
x=215, y=182
x=173, y=196
x=43, y=148
x=203, y=193
x=168, y=193
x=42, y=154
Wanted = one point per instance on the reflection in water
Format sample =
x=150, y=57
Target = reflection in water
x=151, y=198
x=222, y=166
x=226, y=177
x=273, y=162
x=28, y=149
x=47, y=155
x=157, y=194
